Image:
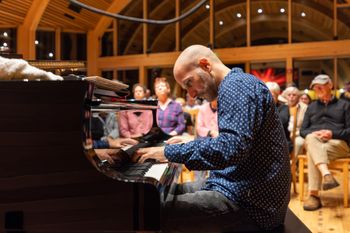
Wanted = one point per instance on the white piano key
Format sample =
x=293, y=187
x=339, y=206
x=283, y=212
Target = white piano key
x=156, y=171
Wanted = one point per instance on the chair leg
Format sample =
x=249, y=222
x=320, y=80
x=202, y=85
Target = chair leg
x=301, y=179
x=294, y=177
x=346, y=184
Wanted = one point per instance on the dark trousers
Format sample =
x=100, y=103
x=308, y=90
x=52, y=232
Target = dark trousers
x=190, y=209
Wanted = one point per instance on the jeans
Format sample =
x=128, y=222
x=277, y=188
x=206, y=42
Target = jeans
x=190, y=209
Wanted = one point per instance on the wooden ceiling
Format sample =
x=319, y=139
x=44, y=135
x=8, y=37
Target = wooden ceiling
x=57, y=14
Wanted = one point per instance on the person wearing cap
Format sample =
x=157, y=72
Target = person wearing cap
x=326, y=129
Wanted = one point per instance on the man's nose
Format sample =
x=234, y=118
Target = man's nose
x=192, y=93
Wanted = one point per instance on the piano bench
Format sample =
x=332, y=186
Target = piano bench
x=292, y=224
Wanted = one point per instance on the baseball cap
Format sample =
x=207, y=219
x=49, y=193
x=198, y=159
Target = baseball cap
x=320, y=79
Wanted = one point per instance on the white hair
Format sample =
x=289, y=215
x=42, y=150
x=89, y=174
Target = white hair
x=273, y=87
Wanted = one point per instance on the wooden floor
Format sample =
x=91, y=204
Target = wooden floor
x=332, y=217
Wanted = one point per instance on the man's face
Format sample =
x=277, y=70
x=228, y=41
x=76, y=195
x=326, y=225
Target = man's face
x=199, y=84
x=293, y=98
x=322, y=90
x=139, y=93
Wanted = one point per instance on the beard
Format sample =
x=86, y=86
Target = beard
x=210, y=89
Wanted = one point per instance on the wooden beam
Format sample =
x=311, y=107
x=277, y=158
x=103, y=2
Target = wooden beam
x=212, y=23
x=177, y=27
x=335, y=74
x=93, y=43
x=289, y=70
x=290, y=21
x=343, y=5
x=115, y=37
x=92, y=53
x=248, y=24
x=143, y=75
x=145, y=26
x=58, y=44
x=115, y=7
x=300, y=51
x=335, y=19
x=26, y=31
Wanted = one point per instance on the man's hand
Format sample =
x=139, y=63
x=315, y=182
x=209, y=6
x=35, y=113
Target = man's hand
x=324, y=135
x=143, y=154
x=121, y=142
x=180, y=139
x=214, y=133
x=106, y=154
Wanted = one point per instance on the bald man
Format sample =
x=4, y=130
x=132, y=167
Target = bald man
x=249, y=183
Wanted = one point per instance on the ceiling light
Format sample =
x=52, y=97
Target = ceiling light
x=5, y=34
x=221, y=22
x=282, y=10
x=36, y=42
x=303, y=14
x=50, y=54
x=4, y=44
x=207, y=6
x=260, y=10
x=239, y=15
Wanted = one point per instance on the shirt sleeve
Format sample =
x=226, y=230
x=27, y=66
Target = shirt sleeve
x=344, y=134
x=240, y=115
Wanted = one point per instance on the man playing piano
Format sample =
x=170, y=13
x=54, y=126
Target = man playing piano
x=249, y=183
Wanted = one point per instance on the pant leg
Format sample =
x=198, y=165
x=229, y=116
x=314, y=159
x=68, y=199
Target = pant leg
x=204, y=211
x=315, y=155
x=299, y=143
x=337, y=149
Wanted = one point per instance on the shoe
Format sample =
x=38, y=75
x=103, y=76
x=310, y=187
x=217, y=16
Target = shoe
x=329, y=182
x=312, y=203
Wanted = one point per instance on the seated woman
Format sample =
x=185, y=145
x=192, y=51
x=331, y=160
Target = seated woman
x=135, y=123
x=170, y=117
x=207, y=120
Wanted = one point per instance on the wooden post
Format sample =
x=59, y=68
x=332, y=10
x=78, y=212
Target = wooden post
x=177, y=27
x=58, y=44
x=289, y=70
x=145, y=27
x=26, y=31
x=248, y=24
x=212, y=24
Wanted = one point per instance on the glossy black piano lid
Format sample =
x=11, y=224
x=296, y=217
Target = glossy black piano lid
x=45, y=174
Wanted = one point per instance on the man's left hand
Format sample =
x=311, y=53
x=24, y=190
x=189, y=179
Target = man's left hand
x=156, y=153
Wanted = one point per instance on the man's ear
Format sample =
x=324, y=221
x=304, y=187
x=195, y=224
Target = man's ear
x=204, y=64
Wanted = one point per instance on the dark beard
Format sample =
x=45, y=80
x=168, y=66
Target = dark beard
x=210, y=91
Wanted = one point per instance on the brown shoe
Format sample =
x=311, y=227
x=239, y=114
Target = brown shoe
x=329, y=182
x=312, y=203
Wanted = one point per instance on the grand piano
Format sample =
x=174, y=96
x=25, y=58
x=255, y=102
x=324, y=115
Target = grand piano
x=50, y=177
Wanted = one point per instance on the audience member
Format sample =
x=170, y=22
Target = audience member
x=305, y=98
x=346, y=94
x=187, y=116
x=135, y=123
x=169, y=113
x=296, y=112
x=283, y=111
x=326, y=129
x=207, y=120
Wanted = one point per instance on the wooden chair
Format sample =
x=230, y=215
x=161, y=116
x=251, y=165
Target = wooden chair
x=338, y=165
x=292, y=157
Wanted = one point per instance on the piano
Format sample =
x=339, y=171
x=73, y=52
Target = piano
x=50, y=177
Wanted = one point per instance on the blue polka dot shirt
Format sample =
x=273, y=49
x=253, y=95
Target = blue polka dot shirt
x=249, y=160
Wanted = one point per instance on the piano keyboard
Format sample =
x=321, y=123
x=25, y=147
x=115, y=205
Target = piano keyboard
x=157, y=170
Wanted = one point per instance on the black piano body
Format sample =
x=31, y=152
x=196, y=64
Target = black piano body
x=52, y=182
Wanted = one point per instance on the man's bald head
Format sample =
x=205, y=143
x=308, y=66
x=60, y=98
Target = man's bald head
x=190, y=57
